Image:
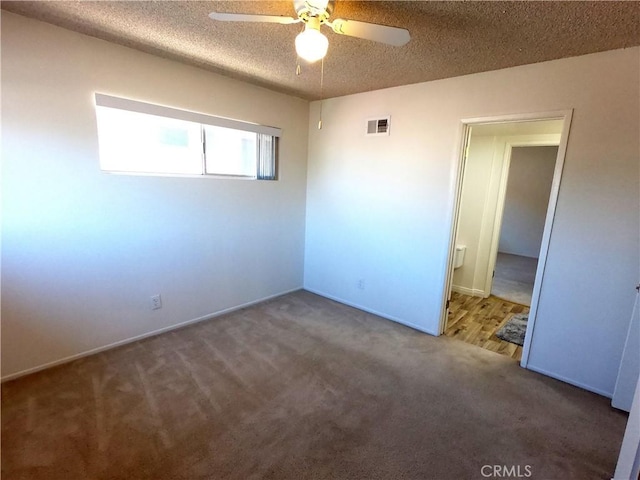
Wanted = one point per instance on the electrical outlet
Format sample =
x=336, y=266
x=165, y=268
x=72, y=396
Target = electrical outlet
x=361, y=284
x=156, y=302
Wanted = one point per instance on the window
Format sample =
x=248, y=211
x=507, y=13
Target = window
x=229, y=152
x=137, y=137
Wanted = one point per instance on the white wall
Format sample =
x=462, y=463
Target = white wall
x=527, y=199
x=380, y=208
x=82, y=251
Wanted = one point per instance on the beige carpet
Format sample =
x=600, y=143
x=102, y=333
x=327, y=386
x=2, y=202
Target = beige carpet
x=301, y=388
x=514, y=277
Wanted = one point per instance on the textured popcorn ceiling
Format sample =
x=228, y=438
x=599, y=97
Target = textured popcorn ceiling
x=447, y=38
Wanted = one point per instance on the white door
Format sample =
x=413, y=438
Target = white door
x=629, y=365
x=628, y=467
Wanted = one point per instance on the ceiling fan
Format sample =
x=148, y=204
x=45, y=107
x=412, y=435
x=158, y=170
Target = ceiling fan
x=311, y=44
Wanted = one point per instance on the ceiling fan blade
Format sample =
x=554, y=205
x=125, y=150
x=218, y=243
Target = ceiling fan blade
x=241, y=17
x=371, y=31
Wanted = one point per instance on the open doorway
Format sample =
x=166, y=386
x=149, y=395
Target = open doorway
x=524, y=212
x=507, y=187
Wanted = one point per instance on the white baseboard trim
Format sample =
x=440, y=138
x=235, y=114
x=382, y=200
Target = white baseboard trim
x=474, y=292
x=589, y=388
x=374, y=312
x=153, y=333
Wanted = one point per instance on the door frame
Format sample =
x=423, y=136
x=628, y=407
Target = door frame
x=456, y=186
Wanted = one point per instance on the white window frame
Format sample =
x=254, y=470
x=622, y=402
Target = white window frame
x=271, y=133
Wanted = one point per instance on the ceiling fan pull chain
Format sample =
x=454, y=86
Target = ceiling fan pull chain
x=298, y=68
x=321, y=87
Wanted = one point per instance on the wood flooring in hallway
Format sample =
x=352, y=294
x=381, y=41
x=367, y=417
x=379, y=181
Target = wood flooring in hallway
x=476, y=320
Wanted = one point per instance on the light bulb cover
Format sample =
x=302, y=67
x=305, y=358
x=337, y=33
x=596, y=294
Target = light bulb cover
x=311, y=45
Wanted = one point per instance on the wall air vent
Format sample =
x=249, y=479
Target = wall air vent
x=378, y=126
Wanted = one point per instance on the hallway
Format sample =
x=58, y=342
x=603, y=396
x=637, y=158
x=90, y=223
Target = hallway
x=476, y=320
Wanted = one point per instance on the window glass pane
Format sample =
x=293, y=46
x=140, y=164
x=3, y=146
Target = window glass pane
x=142, y=143
x=230, y=152
x=136, y=137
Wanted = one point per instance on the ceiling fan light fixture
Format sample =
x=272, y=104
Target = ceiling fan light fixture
x=311, y=44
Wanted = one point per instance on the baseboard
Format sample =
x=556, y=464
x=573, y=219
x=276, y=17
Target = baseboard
x=416, y=327
x=374, y=312
x=589, y=388
x=474, y=292
x=153, y=333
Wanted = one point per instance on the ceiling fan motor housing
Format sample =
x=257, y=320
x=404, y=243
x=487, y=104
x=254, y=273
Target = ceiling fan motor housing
x=313, y=8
